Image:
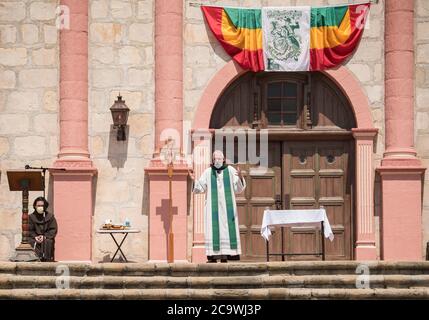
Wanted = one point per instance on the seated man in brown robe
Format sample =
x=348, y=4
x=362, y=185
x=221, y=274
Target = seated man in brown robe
x=43, y=229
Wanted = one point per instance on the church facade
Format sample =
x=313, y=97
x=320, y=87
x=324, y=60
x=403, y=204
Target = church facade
x=353, y=139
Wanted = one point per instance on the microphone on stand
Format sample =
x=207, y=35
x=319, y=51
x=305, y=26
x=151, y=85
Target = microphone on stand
x=27, y=166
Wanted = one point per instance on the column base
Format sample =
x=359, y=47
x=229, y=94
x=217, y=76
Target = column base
x=165, y=261
x=159, y=215
x=73, y=190
x=365, y=251
x=401, y=221
x=399, y=153
x=199, y=251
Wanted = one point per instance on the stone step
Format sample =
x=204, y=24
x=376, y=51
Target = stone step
x=218, y=269
x=184, y=294
x=238, y=282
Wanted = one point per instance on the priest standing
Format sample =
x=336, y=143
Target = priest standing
x=220, y=182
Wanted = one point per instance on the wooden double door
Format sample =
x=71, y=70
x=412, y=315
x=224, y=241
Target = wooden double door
x=300, y=175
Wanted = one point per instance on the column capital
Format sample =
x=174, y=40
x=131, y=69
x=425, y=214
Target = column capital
x=364, y=133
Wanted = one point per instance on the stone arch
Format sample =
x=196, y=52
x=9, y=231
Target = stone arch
x=341, y=76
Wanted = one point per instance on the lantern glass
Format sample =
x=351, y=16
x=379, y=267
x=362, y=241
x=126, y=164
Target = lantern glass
x=119, y=117
x=119, y=112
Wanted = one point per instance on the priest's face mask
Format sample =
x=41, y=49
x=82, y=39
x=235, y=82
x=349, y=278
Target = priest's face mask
x=218, y=159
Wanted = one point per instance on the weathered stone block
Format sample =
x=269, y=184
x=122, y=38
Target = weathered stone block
x=145, y=10
x=23, y=101
x=7, y=34
x=106, y=78
x=46, y=123
x=103, y=54
x=50, y=34
x=14, y=123
x=7, y=79
x=140, y=77
x=105, y=32
x=141, y=32
x=99, y=9
x=121, y=9
x=30, y=146
x=12, y=11
x=129, y=55
x=30, y=33
x=38, y=78
x=13, y=56
x=50, y=101
x=43, y=10
x=44, y=57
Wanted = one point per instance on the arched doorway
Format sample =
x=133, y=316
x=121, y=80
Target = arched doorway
x=310, y=158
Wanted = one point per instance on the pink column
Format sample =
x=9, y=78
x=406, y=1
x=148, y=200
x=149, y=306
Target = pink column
x=168, y=124
x=365, y=248
x=399, y=75
x=401, y=171
x=168, y=70
x=72, y=187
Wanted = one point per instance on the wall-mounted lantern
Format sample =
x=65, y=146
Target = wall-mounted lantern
x=120, y=117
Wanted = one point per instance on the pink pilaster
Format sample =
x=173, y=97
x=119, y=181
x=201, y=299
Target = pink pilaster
x=73, y=187
x=168, y=124
x=202, y=150
x=365, y=248
x=401, y=171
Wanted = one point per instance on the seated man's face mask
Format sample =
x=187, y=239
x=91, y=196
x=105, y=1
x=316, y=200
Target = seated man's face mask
x=40, y=209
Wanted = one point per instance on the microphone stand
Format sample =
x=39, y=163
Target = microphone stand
x=44, y=169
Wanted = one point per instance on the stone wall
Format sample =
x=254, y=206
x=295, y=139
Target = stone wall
x=422, y=102
x=121, y=58
x=28, y=102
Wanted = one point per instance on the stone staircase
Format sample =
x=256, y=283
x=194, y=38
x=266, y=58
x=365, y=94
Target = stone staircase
x=272, y=280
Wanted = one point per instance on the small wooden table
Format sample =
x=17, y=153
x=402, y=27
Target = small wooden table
x=125, y=232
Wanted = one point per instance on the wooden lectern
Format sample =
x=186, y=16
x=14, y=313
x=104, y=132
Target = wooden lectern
x=25, y=181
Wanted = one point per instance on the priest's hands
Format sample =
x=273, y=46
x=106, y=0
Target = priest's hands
x=191, y=174
x=239, y=172
x=39, y=239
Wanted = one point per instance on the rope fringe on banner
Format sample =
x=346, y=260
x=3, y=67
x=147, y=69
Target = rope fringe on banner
x=197, y=4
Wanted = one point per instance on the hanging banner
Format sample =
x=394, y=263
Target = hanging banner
x=288, y=38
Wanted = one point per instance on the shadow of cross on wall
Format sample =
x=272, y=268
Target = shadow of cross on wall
x=164, y=212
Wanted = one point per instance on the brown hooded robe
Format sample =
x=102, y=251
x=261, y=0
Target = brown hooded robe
x=46, y=225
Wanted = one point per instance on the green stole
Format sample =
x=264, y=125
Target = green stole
x=229, y=209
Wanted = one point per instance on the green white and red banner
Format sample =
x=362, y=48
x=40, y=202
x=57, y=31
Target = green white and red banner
x=288, y=38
